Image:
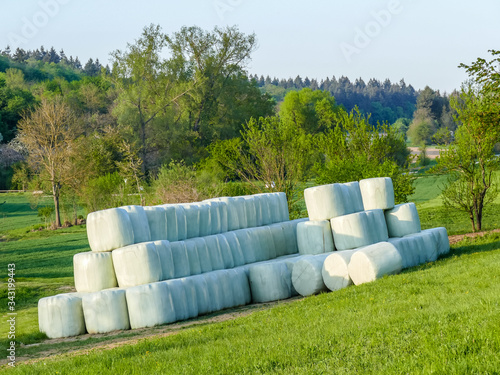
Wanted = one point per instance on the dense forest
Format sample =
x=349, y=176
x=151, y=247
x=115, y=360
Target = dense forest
x=196, y=117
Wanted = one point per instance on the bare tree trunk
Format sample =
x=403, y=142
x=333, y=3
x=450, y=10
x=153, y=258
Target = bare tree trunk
x=55, y=193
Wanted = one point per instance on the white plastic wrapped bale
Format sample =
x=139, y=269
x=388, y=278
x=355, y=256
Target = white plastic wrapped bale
x=61, y=315
x=203, y=254
x=157, y=222
x=270, y=281
x=404, y=246
x=180, y=215
x=137, y=264
x=202, y=296
x=372, y=262
x=265, y=210
x=402, y=220
x=233, y=222
x=215, y=291
x=306, y=275
x=241, y=288
x=377, y=193
x=226, y=288
x=215, y=216
x=205, y=220
x=149, y=305
x=239, y=203
x=425, y=247
x=265, y=249
x=248, y=244
x=250, y=210
x=442, y=240
x=93, y=272
x=234, y=246
x=279, y=239
x=179, y=299
x=314, y=237
x=257, y=202
x=193, y=257
x=359, y=229
x=181, y=260
x=140, y=223
x=223, y=217
x=325, y=202
x=335, y=270
x=274, y=207
x=191, y=297
x=290, y=228
x=105, y=311
x=109, y=229
x=225, y=251
x=214, y=252
x=166, y=259
x=283, y=205
x=192, y=212
x=170, y=221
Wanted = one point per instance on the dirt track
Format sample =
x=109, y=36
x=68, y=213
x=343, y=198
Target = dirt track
x=430, y=152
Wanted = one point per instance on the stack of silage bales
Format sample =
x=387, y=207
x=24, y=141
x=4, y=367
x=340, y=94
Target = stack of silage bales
x=160, y=264
x=373, y=236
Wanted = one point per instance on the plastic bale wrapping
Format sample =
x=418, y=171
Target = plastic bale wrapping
x=223, y=217
x=203, y=255
x=240, y=204
x=270, y=281
x=202, y=296
x=93, y=272
x=225, y=251
x=214, y=251
x=402, y=220
x=442, y=240
x=233, y=222
x=250, y=210
x=234, y=246
x=166, y=260
x=137, y=264
x=226, y=288
x=265, y=210
x=109, y=229
x=191, y=297
x=290, y=262
x=274, y=207
x=325, y=202
x=180, y=215
x=192, y=212
x=105, y=311
x=307, y=278
x=257, y=202
x=179, y=299
x=359, y=229
x=372, y=262
x=150, y=305
x=170, y=222
x=335, y=270
x=241, y=288
x=352, y=196
x=61, y=315
x=279, y=239
x=377, y=193
x=248, y=245
x=140, y=223
x=405, y=250
x=157, y=222
x=264, y=239
x=314, y=237
x=215, y=291
x=290, y=228
x=283, y=205
x=181, y=260
x=193, y=257
x=205, y=219
x=214, y=208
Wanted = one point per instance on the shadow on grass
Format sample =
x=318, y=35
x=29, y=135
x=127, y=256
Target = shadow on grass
x=486, y=243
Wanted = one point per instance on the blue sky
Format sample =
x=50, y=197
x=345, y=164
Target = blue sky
x=422, y=41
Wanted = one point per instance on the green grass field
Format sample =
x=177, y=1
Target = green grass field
x=440, y=317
